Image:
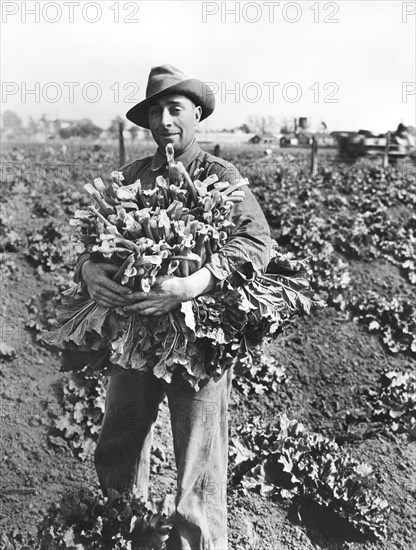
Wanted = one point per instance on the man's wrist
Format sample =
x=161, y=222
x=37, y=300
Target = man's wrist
x=200, y=282
x=189, y=290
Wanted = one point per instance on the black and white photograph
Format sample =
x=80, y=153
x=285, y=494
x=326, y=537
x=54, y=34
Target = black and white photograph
x=208, y=275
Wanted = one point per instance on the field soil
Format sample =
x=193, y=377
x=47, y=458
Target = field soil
x=329, y=359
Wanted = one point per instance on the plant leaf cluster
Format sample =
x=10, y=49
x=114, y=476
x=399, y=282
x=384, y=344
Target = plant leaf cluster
x=263, y=377
x=86, y=521
x=83, y=403
x=284, y=460
x=148, y=232
x=394, y=401
x=393, y=319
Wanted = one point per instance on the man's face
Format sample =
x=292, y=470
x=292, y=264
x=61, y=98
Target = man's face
x=173, y=119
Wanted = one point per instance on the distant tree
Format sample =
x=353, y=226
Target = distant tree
x=84, y=128
x=261, y=124
x=244, y=128
x=32, y=126
x=133, y=132
x=256, y=124
x=11, y=121
x=272, y=125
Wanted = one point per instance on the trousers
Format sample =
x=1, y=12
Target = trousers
x=200, y=438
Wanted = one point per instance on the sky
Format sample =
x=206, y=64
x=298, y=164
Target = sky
x=350, y=64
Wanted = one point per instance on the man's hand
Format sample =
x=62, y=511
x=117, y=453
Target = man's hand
x=170, y=291
x=101, y=288
x=167, y=294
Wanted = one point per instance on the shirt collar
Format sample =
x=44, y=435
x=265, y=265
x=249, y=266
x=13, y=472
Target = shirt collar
x=190, y=154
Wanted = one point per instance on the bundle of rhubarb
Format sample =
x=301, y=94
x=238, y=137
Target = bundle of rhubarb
x=173, y=229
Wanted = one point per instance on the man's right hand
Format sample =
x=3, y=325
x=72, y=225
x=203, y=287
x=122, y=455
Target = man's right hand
x=101, y=288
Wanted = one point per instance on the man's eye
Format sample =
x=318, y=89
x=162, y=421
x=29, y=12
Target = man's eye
x=154, y=112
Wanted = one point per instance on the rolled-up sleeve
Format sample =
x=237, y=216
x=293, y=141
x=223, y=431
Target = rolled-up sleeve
x=250, y=246
x=82, y=258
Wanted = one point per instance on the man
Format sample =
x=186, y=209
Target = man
x=173, y=107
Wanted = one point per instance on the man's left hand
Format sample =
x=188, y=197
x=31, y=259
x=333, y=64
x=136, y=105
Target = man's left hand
x=167, y=294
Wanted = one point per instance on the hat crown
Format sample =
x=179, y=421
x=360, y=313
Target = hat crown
x=162, y=77
x=167, y=79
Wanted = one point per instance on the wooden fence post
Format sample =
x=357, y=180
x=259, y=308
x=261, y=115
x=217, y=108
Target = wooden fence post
x=314, y=150
x=386, y=150
x=121, y=149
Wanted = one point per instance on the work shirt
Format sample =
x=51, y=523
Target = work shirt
x=250, y=244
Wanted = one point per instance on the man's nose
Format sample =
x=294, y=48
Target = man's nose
x=166, y=117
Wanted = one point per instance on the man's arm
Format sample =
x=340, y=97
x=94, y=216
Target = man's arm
x=170, y=292
x=250, y=243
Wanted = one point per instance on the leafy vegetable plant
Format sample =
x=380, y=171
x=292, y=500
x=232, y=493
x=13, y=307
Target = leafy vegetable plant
x=174, y=229
x=394, y=401
x=86, y=521
x=283, y=460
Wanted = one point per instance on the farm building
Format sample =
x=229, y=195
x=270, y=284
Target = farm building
x=48, y=129
x=289, y=140
x=267, y=138
x=304, y=132
x=301, y=139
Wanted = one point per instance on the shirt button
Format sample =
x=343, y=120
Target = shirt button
x=224, y=272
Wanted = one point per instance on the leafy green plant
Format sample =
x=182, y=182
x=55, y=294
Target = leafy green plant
x=42, y=307
x=83, y=402
x=16, y=540
x=48, y=248
x=86, y=521
x=173, y=229
x=284, y=460
x=264, y=376
x=394, y=401
x=394, y=320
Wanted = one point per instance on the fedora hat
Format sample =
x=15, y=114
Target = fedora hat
x=167, y=79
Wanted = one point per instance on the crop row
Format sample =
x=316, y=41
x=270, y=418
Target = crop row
x=343, y=214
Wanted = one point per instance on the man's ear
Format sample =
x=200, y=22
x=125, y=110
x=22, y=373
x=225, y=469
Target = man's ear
x=198, y=114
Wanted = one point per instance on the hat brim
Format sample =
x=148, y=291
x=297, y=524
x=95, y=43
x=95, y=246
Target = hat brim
x=199, y=92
